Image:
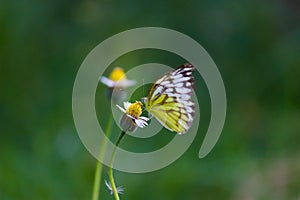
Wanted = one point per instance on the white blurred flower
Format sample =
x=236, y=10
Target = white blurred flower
x=116, y=83
x=132, y=118
x=117, y=78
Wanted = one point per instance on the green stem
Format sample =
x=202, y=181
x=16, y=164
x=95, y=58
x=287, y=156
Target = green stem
x=110, y=173
x=98, y=170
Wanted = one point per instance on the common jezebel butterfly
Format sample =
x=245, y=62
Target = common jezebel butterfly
x=169, y=99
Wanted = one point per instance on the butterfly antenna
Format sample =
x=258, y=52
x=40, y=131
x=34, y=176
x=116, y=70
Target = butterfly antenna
x=143, y=88
x=143, y=94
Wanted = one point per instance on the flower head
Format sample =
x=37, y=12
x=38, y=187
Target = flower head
x=120, y=189
x=117, y=78
x=132, y=117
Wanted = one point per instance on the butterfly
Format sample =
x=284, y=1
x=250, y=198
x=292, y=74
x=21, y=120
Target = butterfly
x=169, y=99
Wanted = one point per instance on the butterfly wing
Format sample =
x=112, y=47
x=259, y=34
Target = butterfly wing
x=169, y=99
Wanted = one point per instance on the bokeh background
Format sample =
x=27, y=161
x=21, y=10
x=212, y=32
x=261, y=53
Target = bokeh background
x=256, y=46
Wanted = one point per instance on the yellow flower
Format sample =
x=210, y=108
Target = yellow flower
x=117, y=78
x=132, y=118
x=135, y=109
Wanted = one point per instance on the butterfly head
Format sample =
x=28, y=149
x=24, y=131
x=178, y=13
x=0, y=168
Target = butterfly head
x=144, y=99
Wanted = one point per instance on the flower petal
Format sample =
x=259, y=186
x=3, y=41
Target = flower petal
x=130, y=116
x=144, y=118
x=125, y=83
x=120, y=189
x=122, y=109
x=141, y=123
x=107, y=184
x=126, y=104
x=107, y=81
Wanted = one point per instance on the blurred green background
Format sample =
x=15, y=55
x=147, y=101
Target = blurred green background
x=256, y=46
